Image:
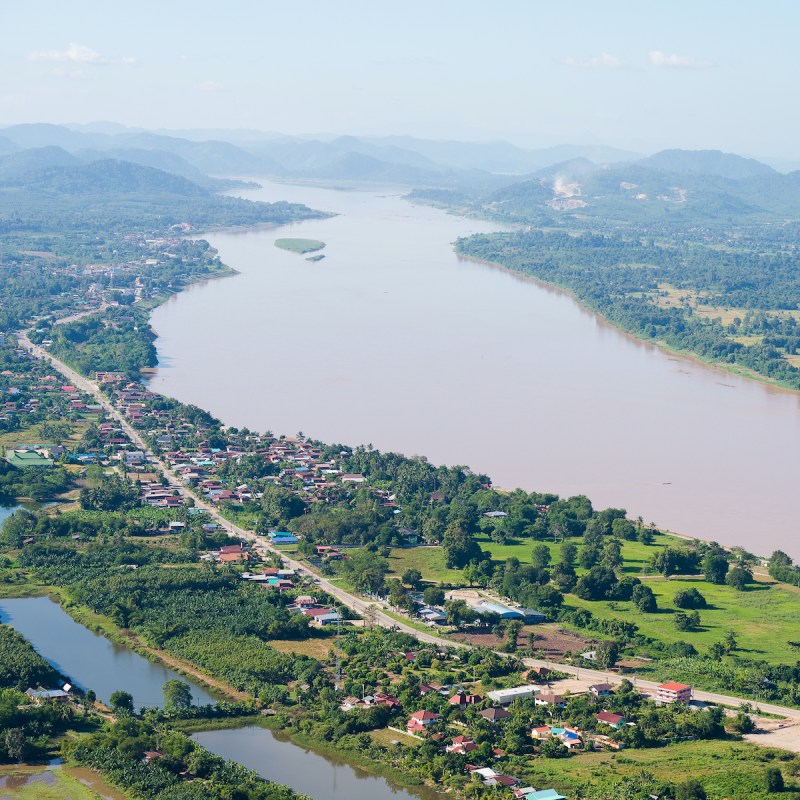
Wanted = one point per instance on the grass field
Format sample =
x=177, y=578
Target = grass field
x=300, y=245
x=726, y=769
x=430, y=560
x=764, y=618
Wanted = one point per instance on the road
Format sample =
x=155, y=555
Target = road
x=357, y=604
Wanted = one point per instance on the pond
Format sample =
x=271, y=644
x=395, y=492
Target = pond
x=275, y=757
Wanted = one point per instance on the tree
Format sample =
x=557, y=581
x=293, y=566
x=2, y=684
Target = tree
x=644, y=599
x=16, y=743
x=433, y=596
x=552, y=748
x=773, y=780
x=607, y=653
x=460, y=547
x=689, y=598
x=121, y=702
x=611, y=554
x=540, y=556
x=686, y=622
x=715, y=567
x=623, y=528
x=690, y=790
x=177, y=695
x=568, y=553
x=412, y=577
x=731, y=642
x=366, y=570
x=738, y=578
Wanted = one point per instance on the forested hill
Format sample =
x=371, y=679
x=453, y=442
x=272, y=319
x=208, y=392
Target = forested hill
x=48, y=188
x=671, y=191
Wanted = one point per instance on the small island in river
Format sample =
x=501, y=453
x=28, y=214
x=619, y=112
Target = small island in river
x=300, y=246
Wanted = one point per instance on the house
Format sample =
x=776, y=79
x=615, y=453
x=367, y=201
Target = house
x=614, y=721
x=462, y=699
x=354, y=477
x=432, y=615
x=283, y=537
x=461, y=744
x=543, y=794
x=607, y=741
x=601, y=689
x=421, y=720
x=672, y=692
x=47, y=695
x=549, y=699
x=494, y=714
x=322, y=616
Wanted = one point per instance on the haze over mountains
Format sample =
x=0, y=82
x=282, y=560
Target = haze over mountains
x=496, y=178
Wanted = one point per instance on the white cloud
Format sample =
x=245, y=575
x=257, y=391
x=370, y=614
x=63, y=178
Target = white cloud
x=209, y=86
x=78, y=54
x=603, y=61
x=661, y=59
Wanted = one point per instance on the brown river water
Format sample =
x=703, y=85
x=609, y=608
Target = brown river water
x=394, y=340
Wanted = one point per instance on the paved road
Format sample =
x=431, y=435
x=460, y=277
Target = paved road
x=357, y=604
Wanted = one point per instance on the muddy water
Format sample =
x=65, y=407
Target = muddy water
x=394, y=340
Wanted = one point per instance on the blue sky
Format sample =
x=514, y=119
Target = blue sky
x=635, y=74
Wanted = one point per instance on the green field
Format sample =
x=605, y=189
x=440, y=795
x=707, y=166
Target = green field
x=430, y=560
x=300, y=245
x=764, y=617
x=726, y=769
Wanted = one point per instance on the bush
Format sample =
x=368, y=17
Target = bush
x=690, y=790
x=689, y=599
x=773, y=780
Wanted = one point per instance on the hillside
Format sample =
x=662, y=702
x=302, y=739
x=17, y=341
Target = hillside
x=698, y=188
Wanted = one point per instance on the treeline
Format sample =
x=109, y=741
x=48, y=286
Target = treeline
x=782, y=569
x=21, y=666
x=619, y=276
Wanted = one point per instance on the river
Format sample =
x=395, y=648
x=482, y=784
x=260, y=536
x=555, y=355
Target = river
x=90, y=660
x=394, y=340
x=275, y=757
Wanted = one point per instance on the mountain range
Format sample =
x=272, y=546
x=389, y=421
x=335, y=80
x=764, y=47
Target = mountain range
x=495, y=178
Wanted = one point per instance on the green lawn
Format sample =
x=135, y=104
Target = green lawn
x=300, y=245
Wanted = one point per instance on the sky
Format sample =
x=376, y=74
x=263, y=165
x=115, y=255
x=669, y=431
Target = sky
x=638, y=75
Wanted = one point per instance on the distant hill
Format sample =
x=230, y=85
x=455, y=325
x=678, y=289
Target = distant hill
x=645, y=192
x=109, y=177
x=707, y=162
x=504, y=157
x=17, y=164
x=7, y=146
